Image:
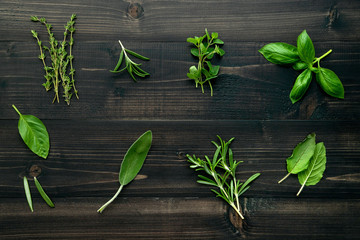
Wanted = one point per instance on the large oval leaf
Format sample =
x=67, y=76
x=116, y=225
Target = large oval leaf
x=280, y=53
x=134, y=158
x=301, y=85
x=302, y=153
x=305, y=47
x=34, y=134
x=330, y=82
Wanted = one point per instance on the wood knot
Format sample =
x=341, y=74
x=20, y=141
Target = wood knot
x=238, y=225
x=34, y=171
x=180, y=155
x=333, y=15
x=135, y=10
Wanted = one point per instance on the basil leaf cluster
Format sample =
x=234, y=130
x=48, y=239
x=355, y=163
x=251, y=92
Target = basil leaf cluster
x=302, y=57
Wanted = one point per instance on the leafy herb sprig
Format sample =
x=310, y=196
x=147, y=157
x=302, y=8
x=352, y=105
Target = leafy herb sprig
x=130, y=66
x=206, y=47
x=61, y=70
x=303, y=58
x=222, y=169
x=308, y=160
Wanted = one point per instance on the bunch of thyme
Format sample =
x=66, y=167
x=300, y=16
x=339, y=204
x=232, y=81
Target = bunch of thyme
x=61, y=70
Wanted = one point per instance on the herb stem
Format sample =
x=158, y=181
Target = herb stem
x=324, y=55
x=71, y=66
x=284, y=177
x=100, y=210
x=16, y=109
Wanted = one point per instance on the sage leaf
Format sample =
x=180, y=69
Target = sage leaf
x=301, y=85
x=305, y=48
x=280, y=53
x=34, y=134
x=300, y=158
x=28, y=194
x=132, y=163
x=313, y=174
x=43, y=194
x=330, y=82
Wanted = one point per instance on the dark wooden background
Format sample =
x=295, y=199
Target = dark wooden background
x=250, y=102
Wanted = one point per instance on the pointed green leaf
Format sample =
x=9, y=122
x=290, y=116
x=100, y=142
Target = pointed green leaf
x=207, y=34
x=301, y=85
x=43, y=194
x=302, y=153
x=34, y=134
x=214, y=35
x=250, y=179
x=195, y=52
x=28, y=193
x=119, y=61
x=134, y=158
x=280, y=53
x=137, y=55
x=330, y=83
x=300, y=66
x=218, y=41
x=305, y=47
x=192, y=40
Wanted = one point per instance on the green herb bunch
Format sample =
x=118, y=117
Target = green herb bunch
x=206, y=47
x=222, y=170
x=61, y=70
x=130, y=66
x=308, y=161
x=303, y=58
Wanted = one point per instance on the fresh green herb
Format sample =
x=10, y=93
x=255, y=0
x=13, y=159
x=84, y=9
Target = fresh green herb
x=132, y=163
x=57, y=73
x=34, y=134
x=308, y=160
x=303, y=57
x=130, y=66
x=28, y=193
x=222, y=169
x=43, y=194
x=206, y=47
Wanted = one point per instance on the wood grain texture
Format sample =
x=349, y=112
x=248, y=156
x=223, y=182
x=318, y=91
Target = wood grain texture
x=89, y=139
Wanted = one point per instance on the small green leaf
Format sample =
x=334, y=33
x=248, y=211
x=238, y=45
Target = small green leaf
x=301, y=85
x=300, y=66
x=28, y=193
x=302, y=153
x=34, y=134
x=214, y=35
x=218, y=41
x=207, y=34
x=195, y=52
x=192, y=40
x=330, y=82
x=250, y=179
x=43, y=194
x=134, y=158
x=137, y=55
x=313, y=174
x=305, y=47
x=280, y=53
x=202, y=48
x=119, y=61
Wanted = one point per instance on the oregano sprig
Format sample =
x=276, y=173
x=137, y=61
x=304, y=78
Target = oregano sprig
x=303, y=58
x=222, y=170
x=206, y=47
x=61, y=70
x=130, y=66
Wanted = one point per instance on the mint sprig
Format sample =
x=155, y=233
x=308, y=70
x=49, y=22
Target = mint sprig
x=303, y=58
x=206, y=47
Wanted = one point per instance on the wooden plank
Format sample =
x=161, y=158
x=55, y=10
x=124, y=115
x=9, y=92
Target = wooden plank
x=180, y=218
x=258, y=20
x=248, y=87
x=85, y=157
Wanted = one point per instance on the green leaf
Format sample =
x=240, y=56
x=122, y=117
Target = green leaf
x=250, y=179
x=43, y=194
x=207, y=34
x=280, y=53
x=137, y=55
x=221, y=52
x=313, y=174
x=305, y=47
x=28, y=193
x=202, y=48
x=195, y=52
x=214, y=35
x=300, y=158
x=300, y=66
x=301, y=85
x=134, y=158
x=34, y=134
x=119, y=61
x=192, y=40
x=218, y=41
x=330, y=82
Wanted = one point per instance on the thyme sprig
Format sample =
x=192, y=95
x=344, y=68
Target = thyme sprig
x=58, y=72
x=222, y=169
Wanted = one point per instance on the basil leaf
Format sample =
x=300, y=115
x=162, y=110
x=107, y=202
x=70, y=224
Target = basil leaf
x=34, y=134
x=305, y=47
x=330, y=82
x=299, y=159
x=300, y=66
x=301, y=85
x=43, y=194
x=192, y=40
x=28, y=193
x=218, y=41
x=195, y=52
x=280, y=53
x=313, y=174
x=134, y=158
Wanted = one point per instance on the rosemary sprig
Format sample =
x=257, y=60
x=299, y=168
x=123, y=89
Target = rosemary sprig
x=58, y=73
x=222, y=169
x=130, y=66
